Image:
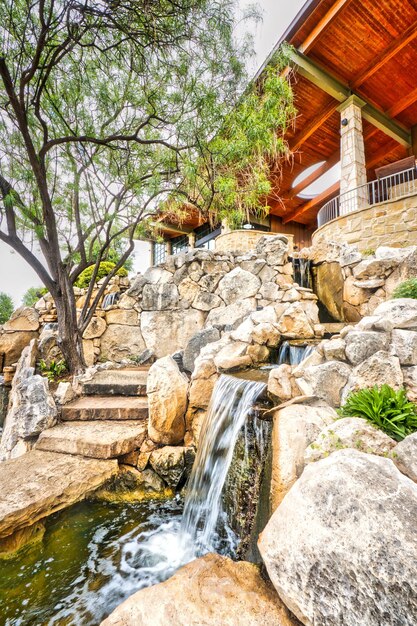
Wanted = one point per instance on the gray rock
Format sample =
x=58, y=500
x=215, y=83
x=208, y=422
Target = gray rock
x=370, y=283
x=232, y=315
x=410, y=382
x=325, y=381
x=378, y=369
x=361, y=345
x=405, y=456
x=137, y=286
x=237, y=285
x=341, y=548
x=169, y=463
x=374, y=268
x=165, y=332
x=273, y=248
x=209, y=282
x=401, y=312
x=206, y=301
x=404, y=345
x=158, y=275
x=159, y=297
x=349, y=432
x=196, y=343
x=334, y=349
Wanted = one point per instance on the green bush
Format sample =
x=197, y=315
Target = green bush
x=6, y=307
x=389, y=410
x=53, y=370
x=104, y=269
x=407, y=289
x=33, y=294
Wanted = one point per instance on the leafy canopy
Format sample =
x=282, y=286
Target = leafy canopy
x=387, y=409
x=6, y=307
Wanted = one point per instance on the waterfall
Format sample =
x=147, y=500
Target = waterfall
x=302, y=271
x=230, y=405
x=110, y=299
x=293, y=354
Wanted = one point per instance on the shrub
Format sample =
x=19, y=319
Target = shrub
x=33, y=294
x=54, y=370
x=407, y=289
x=6, y=307
x=368, y=252
x=389, y=410
x=104, y=269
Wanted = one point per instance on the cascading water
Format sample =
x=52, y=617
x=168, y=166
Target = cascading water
x=302, y=271
x=293, y=354
x=110, y=299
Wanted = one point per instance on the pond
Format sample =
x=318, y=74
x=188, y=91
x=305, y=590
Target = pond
x=92, y=557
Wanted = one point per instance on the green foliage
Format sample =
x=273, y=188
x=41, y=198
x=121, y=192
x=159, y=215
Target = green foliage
x=53, y=370
x=32, y=295
x=104, y=269
x=368, y=252
x=389, y=410
x=6, y=307
x=407, y=289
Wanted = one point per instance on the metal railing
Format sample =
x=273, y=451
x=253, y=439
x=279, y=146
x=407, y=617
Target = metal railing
x=390, y=187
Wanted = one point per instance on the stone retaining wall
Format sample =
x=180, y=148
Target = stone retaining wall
x=245, y=240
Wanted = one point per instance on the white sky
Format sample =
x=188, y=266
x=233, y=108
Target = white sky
x=16, y=276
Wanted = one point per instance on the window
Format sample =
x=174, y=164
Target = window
x=322, y=183
x=159, y=253
x=179, y=244
x=205, y=236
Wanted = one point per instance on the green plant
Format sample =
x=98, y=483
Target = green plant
x=33, y=294
x=104, y=269
x=407, y=289
x=389, y=410
x=53, y=370
x=6, y=307
x=368, y=252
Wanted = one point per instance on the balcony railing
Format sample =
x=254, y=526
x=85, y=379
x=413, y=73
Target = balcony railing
x=390, y=187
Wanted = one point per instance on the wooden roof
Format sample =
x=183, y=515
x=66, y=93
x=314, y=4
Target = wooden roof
x=349, y=46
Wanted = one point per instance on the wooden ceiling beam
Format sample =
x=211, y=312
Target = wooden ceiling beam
x=378, y=156
x=322, y=79
x=386, y=55
x=311, y=128
x=403, y=104
x=313, y=203
x=325, y=167
x=325, y=21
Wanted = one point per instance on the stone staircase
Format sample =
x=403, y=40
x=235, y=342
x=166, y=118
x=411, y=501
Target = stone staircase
x=107, y=421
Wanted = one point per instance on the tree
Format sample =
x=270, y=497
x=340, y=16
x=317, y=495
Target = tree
x=102, y=105
x=32, y=295
x=6, y=307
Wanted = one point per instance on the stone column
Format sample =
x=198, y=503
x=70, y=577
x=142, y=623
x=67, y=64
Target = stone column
x=225, y=227
x=352, y=157
x=191, y=241
x=168, y=247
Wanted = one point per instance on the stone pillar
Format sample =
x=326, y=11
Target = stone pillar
x=225, y=227
x=168, y=247
x=191, y=241
x=352, y=157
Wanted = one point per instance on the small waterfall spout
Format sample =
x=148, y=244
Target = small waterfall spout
x=110, y=299
x=230, y=405
x=293, y=354
x=302, y=271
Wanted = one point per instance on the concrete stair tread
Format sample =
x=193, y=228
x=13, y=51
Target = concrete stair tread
x=99, y=440
x=114, y=408
x=40, y=483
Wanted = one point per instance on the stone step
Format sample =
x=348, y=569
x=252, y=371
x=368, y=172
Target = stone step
x=98, y=440
x=40, y=483
x=114, y=408
x=121, y=382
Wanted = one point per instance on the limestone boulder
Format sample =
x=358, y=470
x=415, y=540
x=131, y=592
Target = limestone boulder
x=352, y=294
x=206, y=301
x=120, y=342
x=349, y=432
x=12, y=344
x=405, y=456
x=157, y=275
x=294, y=323
x=360, y=345
x=196, y=343
x=342, y=546
x=233, y=356
x=274, y=249
x=374, y=268
x=188, y=290
x=329, y=285
x=238, y=285
x=127, y=317
x=400, y=312
x=209, y=591
x=159, y=297
x=244, y=331
x=326, y=381
x=169, y=463
x=334, y=349
x=281, y=383
x=404, y=346
x=232, y=315
x=23, y=319
x=266, y=334
x=294, y=428
x=167, y=399
x=95, y=329
x=410, y=382
x=378, y=369
x=164, y=332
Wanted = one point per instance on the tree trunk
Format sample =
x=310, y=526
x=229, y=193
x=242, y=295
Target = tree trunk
x=69, y=337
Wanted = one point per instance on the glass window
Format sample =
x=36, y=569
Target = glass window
x=205, y=236
x=159, y=253
x=179, y=244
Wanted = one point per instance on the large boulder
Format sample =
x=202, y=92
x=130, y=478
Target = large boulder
x=119, y=342
x=167, y=398
x=341, y=548
x=32, y=408
x=328, y=285
x=13, y=343
x=232, y=315
x=349, y=432
x=405, y=456
x=196, y=343
x=238, y=284
x=401, y=312
x=164, y=332
x=360, y=345
x=169, y=463
x=159, y=297
x=326, y=381
x=294, y=428
x=378, y=369
x=26, y=318
x=274, y=248
x=209, y=591
x=404, y=345
x=294, y=323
